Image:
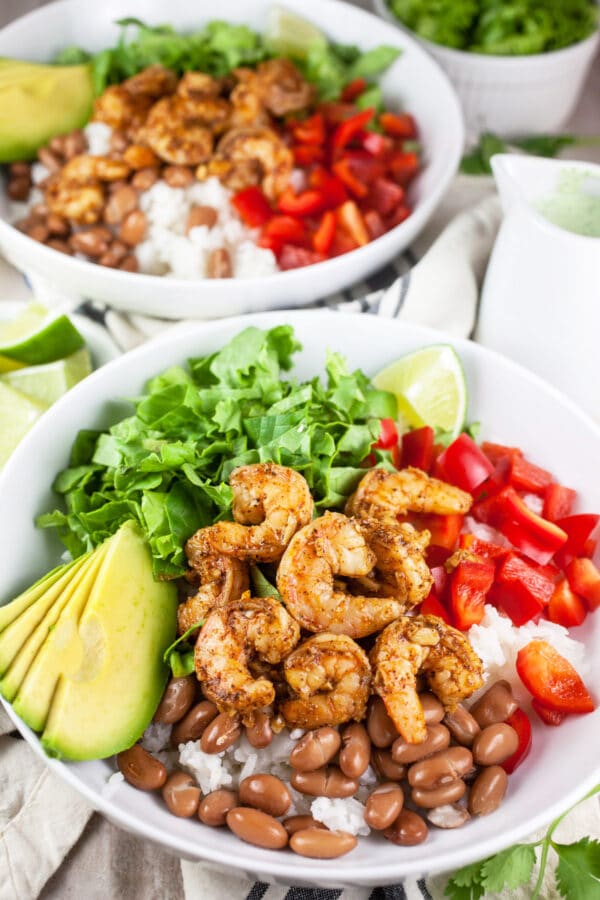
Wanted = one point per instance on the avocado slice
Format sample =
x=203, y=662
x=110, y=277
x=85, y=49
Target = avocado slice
x=102, y=705
x=38, y=102
x=13, y=609
x=19, y=629
x=16, y=672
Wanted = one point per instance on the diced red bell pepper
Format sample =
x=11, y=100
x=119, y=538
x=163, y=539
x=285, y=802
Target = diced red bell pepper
x=325, y=233
x=497, y=452
x=395, y=455
x=308, y=154
x=417, y=448
x=464, y=464
x=440, y=581
x=354, y=89
x=334, y=112
x=342, y=243
x=374, y=223
x=376, y=144
x=399, y=215
x=344, y=171
x=364, y=166
x=469, y=584
x=497, y=481
x=531, y=534
x=582, y=537
x=548, y=716
x=485, y=549
x=551, y=679
x=431, y=606
x=444, y=529
x=350, y=218
x=332, y=189
x=403, y=166
x=388, y=436
x=558, y=501
x=521, y=592
x=565, y=607
x=349, y=128
x=524, y=476
x=309, y=131
x=282, y=230
x=521, y=724
x=292, y=257
x=399, y=125
x=306, y=203
x=584, y=579
x=385, y=196
x=252, y=206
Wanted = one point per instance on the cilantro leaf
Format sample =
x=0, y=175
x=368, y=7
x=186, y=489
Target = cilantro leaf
x=509, y=868
x=578, y=871
x=466, y=883
x=261, y=586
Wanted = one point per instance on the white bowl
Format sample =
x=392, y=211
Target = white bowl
x=512, y=95
x=414, y=82
x=513, y=406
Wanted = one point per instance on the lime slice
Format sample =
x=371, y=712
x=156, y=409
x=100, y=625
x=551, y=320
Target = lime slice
x=430, y=388
x=35, y=338
x=18, y=412
x=49, y=382
x=290, y=35
x=9, y=365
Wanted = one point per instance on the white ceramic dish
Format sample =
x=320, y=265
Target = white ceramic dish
x=512, y=95
x=513, y=405
x=414, y=82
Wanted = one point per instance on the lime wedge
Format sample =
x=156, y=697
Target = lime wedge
x=18, y=412
x=290, y=35
x=9, y=365
x=430, y=388
x=49, y=382
x=35, y=338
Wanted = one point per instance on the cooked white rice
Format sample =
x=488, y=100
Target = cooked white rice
x=340, y=814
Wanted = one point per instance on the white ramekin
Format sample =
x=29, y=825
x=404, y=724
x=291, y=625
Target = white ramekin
x=512, y=95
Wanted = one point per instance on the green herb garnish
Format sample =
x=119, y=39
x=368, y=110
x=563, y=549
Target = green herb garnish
x=180, y=654
x=477, y=162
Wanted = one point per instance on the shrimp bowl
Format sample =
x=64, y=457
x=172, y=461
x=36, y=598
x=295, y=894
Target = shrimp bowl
x=306, y=641
x=209, y=152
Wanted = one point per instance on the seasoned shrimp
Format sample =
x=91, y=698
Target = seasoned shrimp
x=260, y=147
x=179, y=131
x=332, y=546
x=400, y=566
x=330, y=674
x=229, y=640
x=154, y=81
x=222, y=580
x=423, y=645
x=270, y=503
x=246, y=103
x=385, y=495
x=282, y=88
x=86, y=169
x=119, y=109
x=198, y=84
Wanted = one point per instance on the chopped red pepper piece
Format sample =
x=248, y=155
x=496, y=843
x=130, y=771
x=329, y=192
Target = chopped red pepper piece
x=464, y=464
x=385, y=196
x=558, y=501
x=431, y=606
x=584, y=579
x=364, y=166
x=444, y=529
x=308, y=154
x=469, y=584
x=334, y=112
x=552, y=680
x=332, y=189
x=524, y=476
x=521, y=724
x=522, y=591
x=252, y=206
x=403, y=166
x=325, y=233
x=376, y=144
x=399, y=125
x=565, y=607
x=401, y=213
x=374, y=224
x=548, y=716
x=395, y=455
x=354, y=89
x=535, y=537
x=309, y=131
x=582, y=537
x=344, y=171
x=440, y=581
x=388, y=436
x=350, y=218
x=486, y=549
x=349, y=128
x=342, y=243
x=307, y=203
x=292, y=257
x=417, y=448
x=497, y=452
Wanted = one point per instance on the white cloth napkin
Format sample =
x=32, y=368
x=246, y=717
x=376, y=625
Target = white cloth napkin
x=51, y=844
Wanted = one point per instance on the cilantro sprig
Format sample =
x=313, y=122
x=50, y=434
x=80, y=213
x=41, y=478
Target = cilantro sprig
x=477, y=161
x=577, y=874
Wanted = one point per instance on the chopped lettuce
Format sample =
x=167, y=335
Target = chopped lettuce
x=167, y=464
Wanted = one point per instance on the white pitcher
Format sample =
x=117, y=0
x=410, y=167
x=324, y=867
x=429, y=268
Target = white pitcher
x=541, y=296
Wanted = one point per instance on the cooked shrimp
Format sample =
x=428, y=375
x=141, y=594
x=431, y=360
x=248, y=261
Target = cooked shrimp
x=246, y=103
x=330, y=674
x=198, y=84
x=270, y=503
x=385, y=495
x=259, y=146
x=400, y=564
x=154, y=81
x=423, y=645
x=82, y=203
x=282, y=88
x=332, y=546
x=180, y=132
x=86, y=169
x=222, y=579
x=119, y=109
x=230, y=638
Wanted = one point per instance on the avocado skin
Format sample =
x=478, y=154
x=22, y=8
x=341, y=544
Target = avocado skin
x=38, y=102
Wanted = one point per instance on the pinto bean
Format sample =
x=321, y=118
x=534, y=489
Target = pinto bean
x=221, y=733
x=439, y=769
x=382, y=762
x=265, y=792
x=496, y=705
x=49, y=159
x=299, y=823
x=408, y=830
x=356, y=750
x=20, y=168
x=433, y=709
x=214, y=807
x=57, y=225
x=120, y=203
x=318, y=844
x=315, y=749
x=176, y=700
x=260, y=733
x=181, y=794
x=463, y=727
x=218, y=264
x=74, y=144
x=139, y=157
x=133, y=228
x=487, y=791
x=141, y=769
x=438, y=738
x=61, y=246
x=201, y=215
x=440, y=796
x=382, y=730
x=326, y=782
x=177, y=176
x=129, y=263
x=145, y=178
x=383, y=806
x=38, y=231
x=495, y=744
x=118, y=143
x=194, y=723
x=114, y=256
x=18, y=188
x=450, y=815
x=93, y=241
x=258, y=828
